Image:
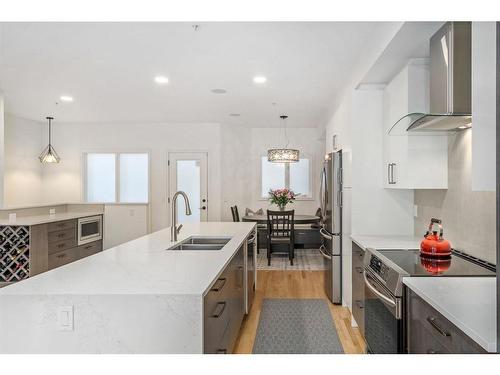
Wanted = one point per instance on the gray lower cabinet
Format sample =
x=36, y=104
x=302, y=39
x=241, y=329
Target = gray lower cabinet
x=59, y=242
x=224, y=308
x=358, y=287
x=429, y=332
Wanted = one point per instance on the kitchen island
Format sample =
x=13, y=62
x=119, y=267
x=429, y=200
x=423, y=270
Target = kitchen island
x=137, y=297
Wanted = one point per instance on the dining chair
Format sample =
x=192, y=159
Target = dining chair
x=234, y=212
x=280, y=233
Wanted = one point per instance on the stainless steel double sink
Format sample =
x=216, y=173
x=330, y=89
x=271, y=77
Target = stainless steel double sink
x=202, y=243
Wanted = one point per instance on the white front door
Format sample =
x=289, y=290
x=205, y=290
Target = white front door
x=188, y=173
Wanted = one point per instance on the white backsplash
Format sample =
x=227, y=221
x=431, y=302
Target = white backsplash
x=469, y=217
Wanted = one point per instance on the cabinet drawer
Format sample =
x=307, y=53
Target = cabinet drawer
x=63, y=257
x=89, y=249
x=55, y=247
x=429, y=331
x=61, y=225
x=60, y=235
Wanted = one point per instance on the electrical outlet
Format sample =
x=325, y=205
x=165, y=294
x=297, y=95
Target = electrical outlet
x=132, y=212
x=12, y=217
x=65, y=318
x=52, y=211
x=415, y=210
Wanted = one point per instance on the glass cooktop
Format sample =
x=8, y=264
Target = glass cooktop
x=415, y=265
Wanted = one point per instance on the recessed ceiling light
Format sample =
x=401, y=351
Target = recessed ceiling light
x=161, y=80
x=259, y=79
x=218, y=91
x=66, y=98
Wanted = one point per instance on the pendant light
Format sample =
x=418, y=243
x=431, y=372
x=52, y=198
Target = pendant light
x=49, y=155
x=283, y=155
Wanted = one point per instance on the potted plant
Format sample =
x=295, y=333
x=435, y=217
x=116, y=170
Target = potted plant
x=281, y=197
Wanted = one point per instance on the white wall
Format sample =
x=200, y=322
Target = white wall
x=62, y=182
x=22, y=170
x=2, y=146
x=124, y=222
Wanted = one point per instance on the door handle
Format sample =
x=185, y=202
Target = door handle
x=203, y=208
x=325, y=255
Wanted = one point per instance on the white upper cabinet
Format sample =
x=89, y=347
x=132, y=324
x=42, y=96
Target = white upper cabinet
x=412, y=161
x=483, y=106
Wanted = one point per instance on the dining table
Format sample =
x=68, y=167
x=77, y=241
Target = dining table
x=297, y=219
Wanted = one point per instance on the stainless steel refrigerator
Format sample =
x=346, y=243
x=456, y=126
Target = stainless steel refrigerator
x=331, y=228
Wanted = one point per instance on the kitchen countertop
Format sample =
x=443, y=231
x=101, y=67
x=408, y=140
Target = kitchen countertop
x=467, y=302
x=142, y=266
x=43, y=219
x=386, y=242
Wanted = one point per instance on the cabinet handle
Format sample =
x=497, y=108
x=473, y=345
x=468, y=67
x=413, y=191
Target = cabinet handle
x=61, y=235
x=221, y=351
x=61, y=256
x=390, y=173
x=61, y=245
x=432, y=351
x=222, y=307
x=433, y=323
x=88, y=247
x=218, y=288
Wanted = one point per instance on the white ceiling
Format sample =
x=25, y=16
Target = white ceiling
x=109, y=69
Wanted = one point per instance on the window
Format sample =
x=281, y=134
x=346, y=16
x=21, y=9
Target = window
x=295, y=176
x=116, y=177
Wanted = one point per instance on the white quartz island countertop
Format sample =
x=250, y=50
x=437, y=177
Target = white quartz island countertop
x=137, y=297
x=467, y=302
x=143, y=266
x=380, y=242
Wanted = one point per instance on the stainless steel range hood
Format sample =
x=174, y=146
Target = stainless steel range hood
x=450, y=83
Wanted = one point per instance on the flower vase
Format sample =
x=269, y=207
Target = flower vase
x=282, y=208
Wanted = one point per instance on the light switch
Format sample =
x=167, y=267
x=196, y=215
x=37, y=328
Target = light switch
x=132, y=212
x=65, y=318
x=415, y=210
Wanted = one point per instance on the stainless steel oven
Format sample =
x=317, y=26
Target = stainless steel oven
x=89, y=229
x=383, y=317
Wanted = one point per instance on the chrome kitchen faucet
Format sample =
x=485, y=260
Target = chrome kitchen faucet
x=174, y=230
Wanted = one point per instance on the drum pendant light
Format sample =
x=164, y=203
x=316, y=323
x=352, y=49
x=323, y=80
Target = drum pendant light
x=283, y=155
x=49, y=155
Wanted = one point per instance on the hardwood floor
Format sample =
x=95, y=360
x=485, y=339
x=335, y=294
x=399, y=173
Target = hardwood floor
x=296, y=284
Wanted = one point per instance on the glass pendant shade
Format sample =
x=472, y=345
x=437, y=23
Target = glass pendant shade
x=49, y=155
x=283, y=155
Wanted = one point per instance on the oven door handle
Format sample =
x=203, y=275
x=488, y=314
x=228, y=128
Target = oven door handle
x=384, y=298
x=325, y=255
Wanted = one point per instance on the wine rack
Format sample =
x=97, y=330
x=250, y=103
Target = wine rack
x=14, y=253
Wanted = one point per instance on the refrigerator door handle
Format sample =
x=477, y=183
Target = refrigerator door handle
x=323, y=233
x=340, y=198
x=322, y=251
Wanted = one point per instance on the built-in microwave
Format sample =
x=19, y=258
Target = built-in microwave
x=89, y=229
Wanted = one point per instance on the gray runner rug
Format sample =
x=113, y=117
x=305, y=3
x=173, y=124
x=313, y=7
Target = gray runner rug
x=296, y=326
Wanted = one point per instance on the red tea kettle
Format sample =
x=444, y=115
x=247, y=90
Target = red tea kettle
x=434, y=245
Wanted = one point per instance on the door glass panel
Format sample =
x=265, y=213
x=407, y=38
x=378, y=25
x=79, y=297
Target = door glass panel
x=189, y=181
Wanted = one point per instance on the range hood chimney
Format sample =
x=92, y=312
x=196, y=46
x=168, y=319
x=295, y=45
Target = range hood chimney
x=450, y=82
